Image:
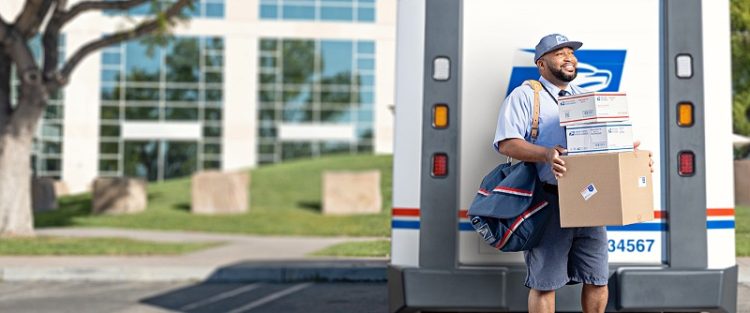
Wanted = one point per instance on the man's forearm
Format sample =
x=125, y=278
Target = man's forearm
x=523, y=150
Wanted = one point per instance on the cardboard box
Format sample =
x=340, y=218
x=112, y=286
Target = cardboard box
x=599, y=138
x=593, y=107
x=606, y=189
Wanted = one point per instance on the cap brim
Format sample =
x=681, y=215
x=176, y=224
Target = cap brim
x=575, y=45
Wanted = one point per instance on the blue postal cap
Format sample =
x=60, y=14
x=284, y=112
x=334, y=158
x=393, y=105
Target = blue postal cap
x=553, y=42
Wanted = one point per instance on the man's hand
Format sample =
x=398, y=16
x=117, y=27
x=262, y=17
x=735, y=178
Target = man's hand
x=553, y=158
x=650, y=160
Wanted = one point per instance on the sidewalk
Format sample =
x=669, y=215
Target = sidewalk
x=241, y=258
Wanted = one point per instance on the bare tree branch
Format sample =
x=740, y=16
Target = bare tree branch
x=61, y=17
x=84, y=6
x=32, y=15
x=161, y=20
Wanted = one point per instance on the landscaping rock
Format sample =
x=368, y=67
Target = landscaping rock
x=43, y=194
x=215, y=192
x=742, y=182
x=351, y=192
x=61, y=188
x=119, y=195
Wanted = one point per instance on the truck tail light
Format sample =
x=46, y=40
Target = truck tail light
x=686, y=163
x=439, y=165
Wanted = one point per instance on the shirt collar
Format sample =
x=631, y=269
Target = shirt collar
x=552, y=88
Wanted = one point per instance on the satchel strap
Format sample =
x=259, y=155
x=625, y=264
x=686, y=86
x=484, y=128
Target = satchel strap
x=536, y=86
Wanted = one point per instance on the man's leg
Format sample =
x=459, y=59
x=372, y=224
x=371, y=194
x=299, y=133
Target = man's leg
x=541, y=301
x=594, y=298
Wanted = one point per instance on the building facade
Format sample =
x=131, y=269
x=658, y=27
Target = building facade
x=243, y=83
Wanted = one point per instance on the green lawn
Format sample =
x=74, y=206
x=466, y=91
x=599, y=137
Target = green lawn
x=378, y=248
x=742, y=230
x=285, y=199
x=93, y=246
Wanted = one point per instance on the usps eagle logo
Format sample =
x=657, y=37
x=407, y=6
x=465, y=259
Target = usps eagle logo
x=598, y=70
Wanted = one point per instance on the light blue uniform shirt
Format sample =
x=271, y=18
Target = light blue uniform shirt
x=514, y=121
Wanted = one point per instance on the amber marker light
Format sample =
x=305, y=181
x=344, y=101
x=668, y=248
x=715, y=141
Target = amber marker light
x=440, y=116
x=685, y=114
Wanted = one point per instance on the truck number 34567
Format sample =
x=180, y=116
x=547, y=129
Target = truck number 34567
x=630, y=245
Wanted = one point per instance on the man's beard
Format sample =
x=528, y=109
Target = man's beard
x=558, y=73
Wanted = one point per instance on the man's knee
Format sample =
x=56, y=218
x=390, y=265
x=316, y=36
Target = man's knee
x=541, y=294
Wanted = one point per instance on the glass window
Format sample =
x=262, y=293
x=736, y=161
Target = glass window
x=214, y=94
x=142, y=113
x=366, y=47
x=109, y=131
x=110, y=113
x=109, y=75
x=108, y=165
x=215, y=10
x=366, y=97
x=268, y=44
x=336, y=13
x=183, y=60
x=366, y=14
x=336, y=62
x=366, y=64
x=365, y=116
x=181, y=114
x=141, y=159
x=211, y=77
x=110, y=58
x=269, y=11
x=328, y=147
x=212, y=148
x=298, y=12
x=109, y=148
x=142, y=64
x=142, y=94
x=50, y=130
x=53, y=112
x=299, y=61
x=211, y=131
x=295, y=150
x=329, y=10
x=51, y=147
x=180, y=159
x=110, y=93
x=200, y=8
x=213, y=164
x=212, y=114
x=174, y=94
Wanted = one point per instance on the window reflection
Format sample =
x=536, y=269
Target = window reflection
x=181, y=81
x=321, y=10
x=321, y=81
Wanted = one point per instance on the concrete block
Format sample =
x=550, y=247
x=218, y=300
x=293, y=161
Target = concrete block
x=43, y=194
x=351, y=192
x=215, y=192
x=742, y=182
x=61, y=188
x=119, y=195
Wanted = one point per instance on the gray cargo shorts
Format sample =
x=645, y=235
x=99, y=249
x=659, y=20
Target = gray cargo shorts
x=567, y=255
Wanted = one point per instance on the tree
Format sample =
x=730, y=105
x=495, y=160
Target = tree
x=740, y=21
x=18, y=123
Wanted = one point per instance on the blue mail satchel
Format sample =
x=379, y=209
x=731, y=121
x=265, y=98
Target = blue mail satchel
x=508, y=210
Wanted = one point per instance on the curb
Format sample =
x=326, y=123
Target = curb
x=244, y=272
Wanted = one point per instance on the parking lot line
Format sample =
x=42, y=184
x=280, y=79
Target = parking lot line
x=219, y=297
x=271, y=297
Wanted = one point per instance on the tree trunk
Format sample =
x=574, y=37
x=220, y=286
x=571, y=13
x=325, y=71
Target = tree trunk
x=16, y=217
x=16, y=138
